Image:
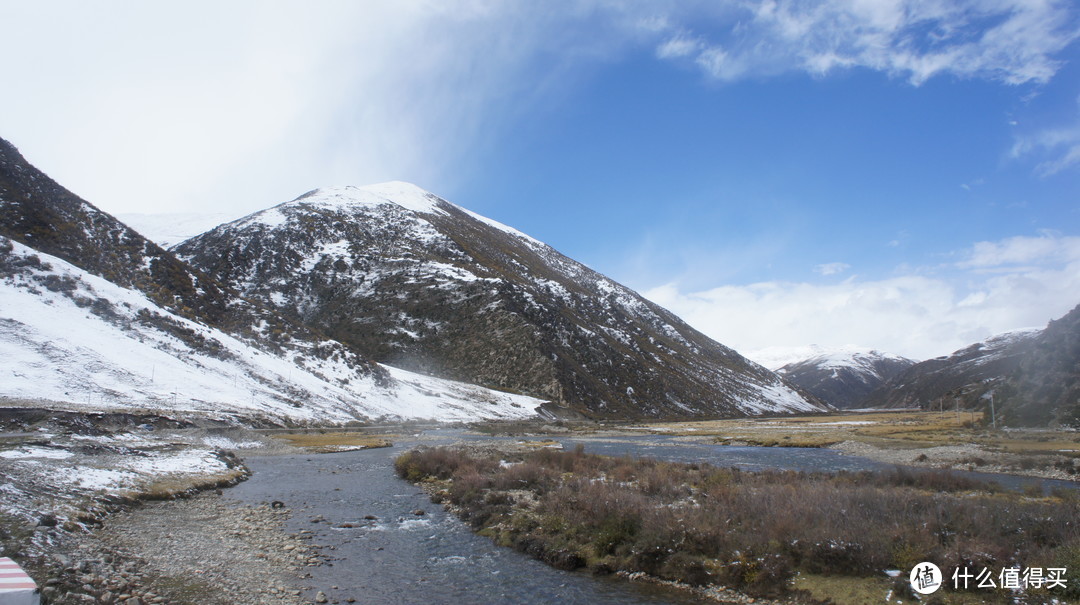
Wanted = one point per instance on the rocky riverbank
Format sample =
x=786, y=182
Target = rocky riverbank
x=124, y=509
x=202, y=550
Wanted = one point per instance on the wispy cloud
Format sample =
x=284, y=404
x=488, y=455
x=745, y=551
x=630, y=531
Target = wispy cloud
x=267, y=100
x=1021, y=252
x=831, y=268
x=1055, y=149
x=1009, y=284
x=679, y=45
x=1012, y=41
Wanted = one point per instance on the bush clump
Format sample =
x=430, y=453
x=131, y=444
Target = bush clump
x=703, y=525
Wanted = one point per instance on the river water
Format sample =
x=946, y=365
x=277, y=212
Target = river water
x=402, y=557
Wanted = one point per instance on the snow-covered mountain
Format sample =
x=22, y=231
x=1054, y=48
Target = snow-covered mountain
x=94, y=315
x=844, y=376
x=73, y=340
x=299, y=299
x=970, y=369
x=411, y=280
x=80, y=341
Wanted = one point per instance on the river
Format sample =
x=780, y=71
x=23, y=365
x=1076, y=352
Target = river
x=402, y=557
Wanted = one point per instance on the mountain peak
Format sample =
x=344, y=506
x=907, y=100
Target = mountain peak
x=411, y=280
x=843, y=376
x=406, y=195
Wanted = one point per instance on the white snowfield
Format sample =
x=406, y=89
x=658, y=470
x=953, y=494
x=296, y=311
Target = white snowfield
x=61, y=348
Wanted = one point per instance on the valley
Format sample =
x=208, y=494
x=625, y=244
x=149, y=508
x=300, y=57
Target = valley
x=270, y=372
x=330, y=480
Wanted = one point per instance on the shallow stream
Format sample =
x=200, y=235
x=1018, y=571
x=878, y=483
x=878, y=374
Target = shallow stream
x=402, y=557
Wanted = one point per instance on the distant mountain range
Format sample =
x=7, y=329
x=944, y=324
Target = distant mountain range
x=1032, y=377
x=925, y=384
x=844, y=377
x=343, y=304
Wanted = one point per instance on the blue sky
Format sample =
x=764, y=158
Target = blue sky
x=899, y=174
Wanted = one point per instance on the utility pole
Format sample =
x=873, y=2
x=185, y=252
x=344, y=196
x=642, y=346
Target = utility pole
x=993, y=414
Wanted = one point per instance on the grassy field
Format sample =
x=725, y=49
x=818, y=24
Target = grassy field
x=890, y=429
x=330, y=442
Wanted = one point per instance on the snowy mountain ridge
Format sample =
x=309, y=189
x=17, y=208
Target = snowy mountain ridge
x=840, y=356
x=844, y=376
x=77, y=341
x=412, y=280
x=345, y=277
x=927, y=381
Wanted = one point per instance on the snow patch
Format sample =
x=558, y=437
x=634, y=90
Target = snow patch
x=58, y=350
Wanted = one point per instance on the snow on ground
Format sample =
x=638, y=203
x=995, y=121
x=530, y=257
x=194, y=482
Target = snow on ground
x=32, y=452
x=93, y=345
x=777, y=398
x=60, y=477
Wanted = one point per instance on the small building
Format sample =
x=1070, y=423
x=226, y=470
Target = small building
x=16, y=588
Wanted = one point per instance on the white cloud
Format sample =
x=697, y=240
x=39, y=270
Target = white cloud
x=1057, y=149
x=917, y=316
x=159, y=107
x=1018, y=254
x=1012, y=41
x=831, y=268
x=679, y=45
x=155, y=107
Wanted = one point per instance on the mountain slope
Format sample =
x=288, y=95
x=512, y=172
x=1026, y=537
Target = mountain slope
x=73, y=340
x=844, y=377
x=87, y=300
x=38, y=212
x=412, y=280
x=968, y=370
x=1045, y=388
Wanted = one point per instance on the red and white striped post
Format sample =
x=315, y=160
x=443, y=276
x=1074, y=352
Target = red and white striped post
x=16, y=588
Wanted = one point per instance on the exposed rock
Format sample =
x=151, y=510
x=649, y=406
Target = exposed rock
x=414, y=281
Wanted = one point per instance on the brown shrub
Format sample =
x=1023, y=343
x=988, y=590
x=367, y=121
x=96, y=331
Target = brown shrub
x=699, y=524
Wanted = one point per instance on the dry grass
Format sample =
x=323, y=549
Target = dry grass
x=847, y=590
x=698, y=524
x=176, y=486
x=335, y=441
x=889, y=429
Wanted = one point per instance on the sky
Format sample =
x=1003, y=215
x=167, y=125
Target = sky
x=893, y=174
